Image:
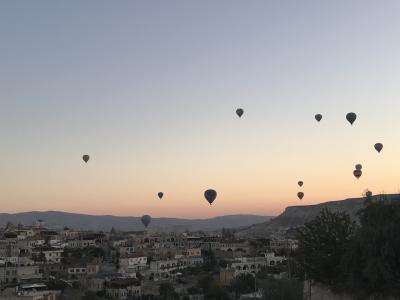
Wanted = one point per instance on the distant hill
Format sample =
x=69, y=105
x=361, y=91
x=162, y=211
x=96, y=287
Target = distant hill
x=56, y=219
x=294, y=216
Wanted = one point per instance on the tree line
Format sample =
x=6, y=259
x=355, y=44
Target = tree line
x=359, y=257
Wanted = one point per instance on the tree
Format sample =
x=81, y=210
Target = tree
x=167, y=291
x=243, y=284
x=212, y=288
x=278, y=289
x=194, y=290
x=322, y=245
x=223, y=263
x=373, y=262
x=89, y=296
x=41, y=257
x=47, y=240
x=210, y=261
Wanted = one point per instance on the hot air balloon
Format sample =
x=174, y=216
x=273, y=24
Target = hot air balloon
x=378, y=147
x=358, y=166
x=357, y=173
x=160, y=195
x=300, y=183
x=318, y=117
x=86, y=158
x=300, y=195
x=210, y=196
x=351, y=117
x=239, y=112
x=146, y=219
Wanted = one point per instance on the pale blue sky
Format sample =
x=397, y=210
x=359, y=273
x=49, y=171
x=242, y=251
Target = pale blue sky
x=149, y=89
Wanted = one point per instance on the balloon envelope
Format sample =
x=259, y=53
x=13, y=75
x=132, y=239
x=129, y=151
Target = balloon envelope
x=357, y=173
x=239, y=112
x=378, y=147
x=146, y=219
x=358, y=166
x=351, y=117
x=300, y=183
x=86, y=158
x=300, y=195
x=318, y=117
x=160, y=195
x=210, y=196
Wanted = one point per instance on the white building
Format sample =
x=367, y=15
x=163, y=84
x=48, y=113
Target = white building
x=78, y=244
x=132, y=264
x=126, y=250
x=88, y=268
x=283, y=244
x=164, y=268
x=50, y=254
x=25, y=233
x=246, y=265
x=193, y=252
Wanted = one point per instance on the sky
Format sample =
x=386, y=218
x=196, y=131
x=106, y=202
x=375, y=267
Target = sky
x=149, y=89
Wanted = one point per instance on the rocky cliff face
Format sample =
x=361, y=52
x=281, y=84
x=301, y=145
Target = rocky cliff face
x=294, y=216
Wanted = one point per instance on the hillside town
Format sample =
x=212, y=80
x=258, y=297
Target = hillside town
x=40, y=263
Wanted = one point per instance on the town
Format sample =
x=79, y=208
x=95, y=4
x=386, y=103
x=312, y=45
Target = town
x=37, y=262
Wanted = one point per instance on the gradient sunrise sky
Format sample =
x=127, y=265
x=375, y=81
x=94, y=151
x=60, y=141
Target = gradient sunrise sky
x=149, y=89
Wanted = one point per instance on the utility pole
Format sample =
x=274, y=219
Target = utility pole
x=309, y=286
x=255, y=277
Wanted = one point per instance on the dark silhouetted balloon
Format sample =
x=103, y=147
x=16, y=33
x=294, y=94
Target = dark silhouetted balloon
x=378, y=147
x=239, y=112
x=160, y=195
x=210, y=196
x=300, y=195
x=318, y=117
x=300, y=183
x=357, y=173
x=146, y=219
x=86, y=158
x=358, y=166
x=351, y=117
